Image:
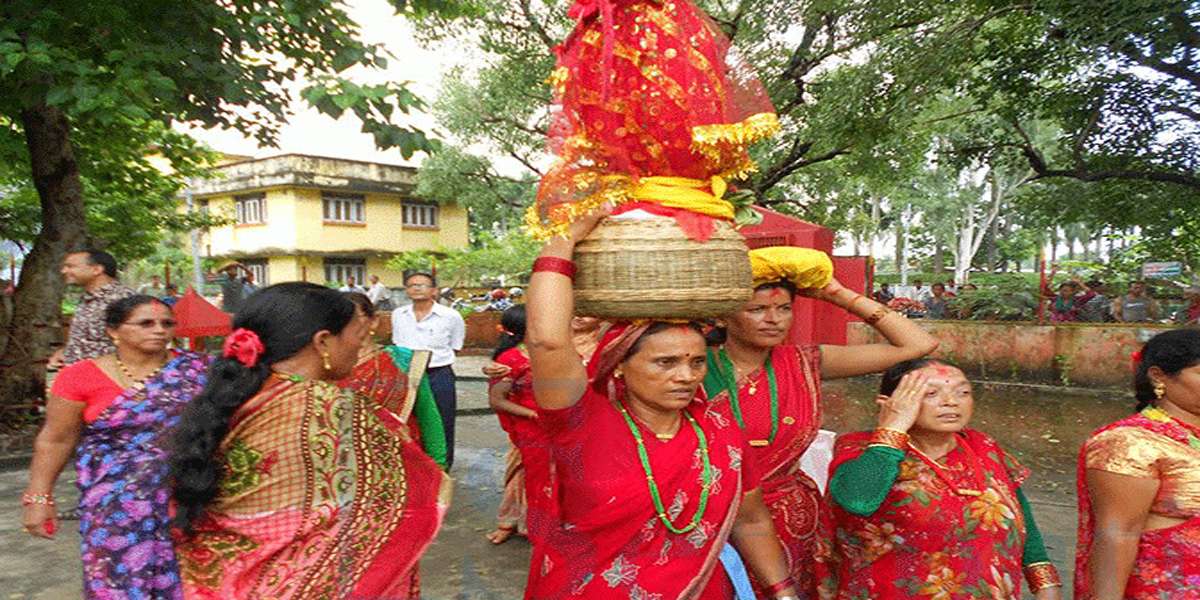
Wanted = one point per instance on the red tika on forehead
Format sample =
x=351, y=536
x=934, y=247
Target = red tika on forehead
x=776, y=293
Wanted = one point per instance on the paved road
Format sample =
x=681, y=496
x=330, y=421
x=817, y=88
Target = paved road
x=461, y=564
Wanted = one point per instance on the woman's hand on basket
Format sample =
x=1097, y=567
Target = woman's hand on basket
x=583, y=225
x=40, y=520
x=899, y=411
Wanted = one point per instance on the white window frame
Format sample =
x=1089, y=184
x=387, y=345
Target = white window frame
x=344, y=208
x=338, y=269
x=250, y=209
x=261, y=269
x=420, y=214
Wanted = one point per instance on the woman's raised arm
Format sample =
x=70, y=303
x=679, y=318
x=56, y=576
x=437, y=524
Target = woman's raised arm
x=906, y=339
x=559, y=376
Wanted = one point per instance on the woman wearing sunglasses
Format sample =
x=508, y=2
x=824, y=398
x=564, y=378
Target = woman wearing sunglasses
x=112, y=412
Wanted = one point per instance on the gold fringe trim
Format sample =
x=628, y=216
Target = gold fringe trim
x=676, y=192
x=728, y=141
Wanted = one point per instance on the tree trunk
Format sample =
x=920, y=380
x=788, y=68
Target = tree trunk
x=901, y=248
x=37, y=303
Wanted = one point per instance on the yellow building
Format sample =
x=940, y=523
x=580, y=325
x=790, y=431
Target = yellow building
x=311, y=218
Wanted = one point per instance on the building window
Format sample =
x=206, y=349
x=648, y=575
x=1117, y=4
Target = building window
x=420, y=214
x=250, y=209
x=344, y=208
x=258, y=266
x=340, y=270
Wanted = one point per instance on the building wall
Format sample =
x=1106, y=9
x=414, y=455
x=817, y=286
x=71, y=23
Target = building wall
x=295, y=223
x=295, y=236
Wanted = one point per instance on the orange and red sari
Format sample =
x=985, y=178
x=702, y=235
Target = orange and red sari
x=1148, y=445
x=792, y=496
x=322, y=498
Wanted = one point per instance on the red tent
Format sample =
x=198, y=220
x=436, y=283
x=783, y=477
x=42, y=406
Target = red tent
x=197, y=317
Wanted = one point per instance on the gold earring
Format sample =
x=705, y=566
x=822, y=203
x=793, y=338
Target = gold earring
x=618, y=374
x=325, y=357
x=1159, y=389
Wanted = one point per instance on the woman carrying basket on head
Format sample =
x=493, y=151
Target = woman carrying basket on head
x=772, y=390
x=649, y=486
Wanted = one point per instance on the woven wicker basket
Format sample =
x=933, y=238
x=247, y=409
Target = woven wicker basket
x=647, y=268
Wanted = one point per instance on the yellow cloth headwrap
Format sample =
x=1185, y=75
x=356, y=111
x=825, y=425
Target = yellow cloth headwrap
x=804, y=267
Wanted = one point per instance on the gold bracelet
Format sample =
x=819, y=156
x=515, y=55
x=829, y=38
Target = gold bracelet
x=40, y=499
x=877, y=315
x=1040, y=576
x=892, y=438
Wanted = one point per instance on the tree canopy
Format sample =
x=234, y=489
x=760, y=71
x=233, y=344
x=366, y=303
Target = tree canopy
x=1081, y=101
x=93, y=88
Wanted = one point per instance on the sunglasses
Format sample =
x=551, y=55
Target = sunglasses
x=148, y=323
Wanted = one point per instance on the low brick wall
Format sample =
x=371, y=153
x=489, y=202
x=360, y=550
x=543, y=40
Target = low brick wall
x=1076, y=354
x=482, y=329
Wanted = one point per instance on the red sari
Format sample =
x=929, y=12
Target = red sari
x=1168, y=559
x=323, y=497
x=514, y=507
x=792, y=496
x=926, y=540
x=607, y=542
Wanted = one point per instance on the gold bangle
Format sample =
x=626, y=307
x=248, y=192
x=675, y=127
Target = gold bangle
x=28, y=499
x=892, y=438
x=874, y=317
x=1040, y=576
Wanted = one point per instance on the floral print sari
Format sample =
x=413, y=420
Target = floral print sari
x=124, y=497
x=926, y=541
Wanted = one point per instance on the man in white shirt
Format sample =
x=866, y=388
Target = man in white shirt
x=378, y=291
x=351, y=287
x=427, y=325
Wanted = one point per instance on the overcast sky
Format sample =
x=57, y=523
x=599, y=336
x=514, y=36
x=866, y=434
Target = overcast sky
x=309, y=132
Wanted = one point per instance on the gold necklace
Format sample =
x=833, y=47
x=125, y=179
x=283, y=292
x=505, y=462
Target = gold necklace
x=129, y=374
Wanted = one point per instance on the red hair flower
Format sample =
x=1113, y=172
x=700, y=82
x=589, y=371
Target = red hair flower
x=243, y=345
x=1135, y=359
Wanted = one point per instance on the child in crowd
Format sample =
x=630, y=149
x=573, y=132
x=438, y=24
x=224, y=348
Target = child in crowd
x=511, y=396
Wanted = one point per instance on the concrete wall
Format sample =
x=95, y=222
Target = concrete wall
x=1077, y=354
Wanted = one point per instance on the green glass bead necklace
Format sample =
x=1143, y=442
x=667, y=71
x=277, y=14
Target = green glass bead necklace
x=706, y=476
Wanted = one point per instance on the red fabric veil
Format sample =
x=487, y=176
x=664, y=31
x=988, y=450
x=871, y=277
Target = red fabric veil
x=646, y=88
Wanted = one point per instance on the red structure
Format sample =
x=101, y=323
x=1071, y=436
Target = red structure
x=816, y=322
x=198, y=318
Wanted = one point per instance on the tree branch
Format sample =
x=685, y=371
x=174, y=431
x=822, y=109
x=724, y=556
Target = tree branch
x=536, y=25
x=794, y=161
x=514, y=124
x=1173, y=69
x=523, y=161
x=1182, y=110
x=1044, y=172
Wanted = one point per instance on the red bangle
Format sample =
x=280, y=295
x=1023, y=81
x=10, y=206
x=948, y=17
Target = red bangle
x=1041, y=575
x=554, y=264
x=779, y=586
